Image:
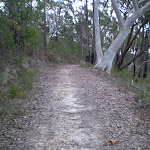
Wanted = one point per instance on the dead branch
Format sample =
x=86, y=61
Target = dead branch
x=142, y=65
x=132, y=60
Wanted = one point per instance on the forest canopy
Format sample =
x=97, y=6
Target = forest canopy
x=77, y=30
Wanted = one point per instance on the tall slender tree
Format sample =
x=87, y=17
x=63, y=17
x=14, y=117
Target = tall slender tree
x=45, y=42
x=81, y=34
x=93, y=40
x=98, y=46
x=87, y=33
x=146, y=57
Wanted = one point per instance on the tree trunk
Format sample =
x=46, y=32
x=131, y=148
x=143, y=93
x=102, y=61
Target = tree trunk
x=145, y=69
x=56, y=29
x=141, y=57
x=124, y=50
x=119, y=56
x=93, y=41
x=21, y=38
x=98, y=46
x=146, y=54
x=31, y=9
x=106, y=62
x=45, y=42
x=87, y=33
x=137, y=56
x=81, y=35
x=128, y=45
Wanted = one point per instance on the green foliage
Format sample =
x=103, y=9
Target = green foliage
x=17, y=88
x=13, y=91
x=26, y=78
x=22, y=84
x=31, y=36
x=124, y=74
x=6, y=77
x=141, y=85
x=67, y=52
x=142, y=95
x=20, y=33
x=6, y=36
x=148, y=89
x=86, y=64
x=19, y=30
x=17, y=58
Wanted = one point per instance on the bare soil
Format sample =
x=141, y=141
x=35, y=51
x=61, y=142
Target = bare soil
x=76, y=108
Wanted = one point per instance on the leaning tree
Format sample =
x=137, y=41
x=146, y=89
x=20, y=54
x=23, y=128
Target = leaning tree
x=105, y=60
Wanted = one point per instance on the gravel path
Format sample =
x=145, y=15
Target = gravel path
x=81, y=110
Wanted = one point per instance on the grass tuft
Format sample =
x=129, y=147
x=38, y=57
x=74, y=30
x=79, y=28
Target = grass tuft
x=141, y=85
x=16, y=88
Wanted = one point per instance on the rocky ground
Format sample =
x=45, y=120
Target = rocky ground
x=76, y=108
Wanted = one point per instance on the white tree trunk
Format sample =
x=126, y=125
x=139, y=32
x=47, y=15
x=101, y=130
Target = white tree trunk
x=52, y=22
x=106, y=62
x=98, y=46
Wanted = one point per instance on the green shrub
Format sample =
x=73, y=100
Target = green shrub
x=18, y=58
x=67, y=51
x=141, y=85
x=13, y=91
x=26, y=79
x=86, y=64
x=15, y=88
x=124, y=74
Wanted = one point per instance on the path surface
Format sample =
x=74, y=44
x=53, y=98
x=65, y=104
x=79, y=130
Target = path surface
x=81, y=110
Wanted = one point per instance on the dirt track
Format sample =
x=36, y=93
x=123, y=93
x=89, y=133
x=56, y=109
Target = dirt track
x=81, y=110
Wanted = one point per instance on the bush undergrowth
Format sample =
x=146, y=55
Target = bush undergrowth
x=64, y=51
x=13, y=90
x=86, y=64
x=140, y=86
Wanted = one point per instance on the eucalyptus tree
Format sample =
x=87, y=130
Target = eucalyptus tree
x=135, y=48
x=60, y=19
x=134, y=33
x=53, y=18
x=98, y=46
x=45, y=42
x=105, y=62
x=93, y=39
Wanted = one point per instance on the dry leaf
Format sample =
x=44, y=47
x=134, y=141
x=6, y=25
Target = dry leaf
x=112, y=142
x=144, y=112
